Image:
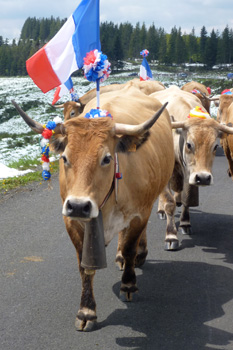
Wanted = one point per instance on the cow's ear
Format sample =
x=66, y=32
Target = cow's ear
x=128, y=143
x=59, y=140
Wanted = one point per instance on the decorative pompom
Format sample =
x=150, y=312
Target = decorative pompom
x=51, y=125
x=45, y=151
x=46, y=175
x=97, y=113
x=195, y=91
x=74, y=96
x=96, y=66
x=57, y=120
x=144, y=53
x=197, y=112
x=226, y=92
x=45, y=159
x=44, y=142
x=46, y=166
x=47, y=133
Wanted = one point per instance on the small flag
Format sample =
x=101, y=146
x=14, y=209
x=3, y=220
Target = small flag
x=145, y=72
x=54, y=63
x=63, y=90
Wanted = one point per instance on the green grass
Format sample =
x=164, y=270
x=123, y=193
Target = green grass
x=26, y=163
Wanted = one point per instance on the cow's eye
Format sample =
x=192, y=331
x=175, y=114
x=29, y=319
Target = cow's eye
x=64, y=159
x=72, y=113
x=106, y=160
x=189, y=146
x=215, y=148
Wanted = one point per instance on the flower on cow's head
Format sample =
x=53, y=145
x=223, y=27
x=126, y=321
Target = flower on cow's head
x=97, y=113
x=197, y=112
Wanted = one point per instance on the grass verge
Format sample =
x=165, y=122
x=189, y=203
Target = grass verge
x=19, y=181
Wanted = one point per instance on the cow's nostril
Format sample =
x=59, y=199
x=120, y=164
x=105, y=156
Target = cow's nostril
x=87, y=209
x=69, y=207
x=198, y=179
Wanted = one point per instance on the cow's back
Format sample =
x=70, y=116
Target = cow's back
x=148, y=170
x=179, y=102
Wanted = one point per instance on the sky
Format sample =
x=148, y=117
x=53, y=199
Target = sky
x=186, y=14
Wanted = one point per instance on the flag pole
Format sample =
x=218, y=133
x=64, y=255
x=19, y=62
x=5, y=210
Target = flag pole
x=98, y=93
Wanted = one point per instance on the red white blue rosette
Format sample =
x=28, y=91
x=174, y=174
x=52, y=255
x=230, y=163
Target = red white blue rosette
x=226, y=92
x=46, y=135
x=96, y=66
x=97, y=113
x=144, y=53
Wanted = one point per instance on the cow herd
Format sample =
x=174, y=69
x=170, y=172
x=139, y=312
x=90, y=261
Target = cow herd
x=161, y=149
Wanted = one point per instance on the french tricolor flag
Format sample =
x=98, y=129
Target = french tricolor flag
x=54, y=63
x=145, y=72
x=63, y=90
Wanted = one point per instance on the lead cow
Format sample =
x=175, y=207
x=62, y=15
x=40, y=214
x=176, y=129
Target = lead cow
x=195, y=144
x=88, y=148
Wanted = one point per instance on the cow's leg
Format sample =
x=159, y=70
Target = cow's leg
x=161, y=211
x=171, y=240
x=142, y=250
x=229, y=157
x=129, y=251
x=185, y=225
x=86, y=318
x=177, y=197
x=190, y=198
x=119, y=257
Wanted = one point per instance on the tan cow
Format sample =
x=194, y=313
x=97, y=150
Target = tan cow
x=201, y=90
x=195, y=143
x=88, y=148
x=73, y=109
x=225, y=116
x=227, y=140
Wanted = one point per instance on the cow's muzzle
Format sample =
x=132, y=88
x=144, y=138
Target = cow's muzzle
x=201, y=179
x=80, y=208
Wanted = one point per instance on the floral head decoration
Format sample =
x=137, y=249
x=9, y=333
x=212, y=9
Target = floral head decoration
x=46, y=135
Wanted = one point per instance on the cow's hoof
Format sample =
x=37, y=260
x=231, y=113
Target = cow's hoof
x=161, y=215
x=120, y=263
x=128, y=293
x=141, y=258
x=171, y=245
x=186, y=230
x=86, y=322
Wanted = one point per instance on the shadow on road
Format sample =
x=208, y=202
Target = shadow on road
x=175, y=301
x=180, y=303
x=213, y=232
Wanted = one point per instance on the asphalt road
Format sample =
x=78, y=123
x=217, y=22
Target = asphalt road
x=185, y=299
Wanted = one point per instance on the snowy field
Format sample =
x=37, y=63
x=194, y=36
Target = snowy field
x=16, y=138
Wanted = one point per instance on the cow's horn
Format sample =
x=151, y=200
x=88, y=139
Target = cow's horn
x=35, y=126
x=177, y=125
x=225, y=128
x=126, y=129
x=59, y=106
x=215, y=98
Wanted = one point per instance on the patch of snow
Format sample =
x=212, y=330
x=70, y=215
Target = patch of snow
x=6, y=172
